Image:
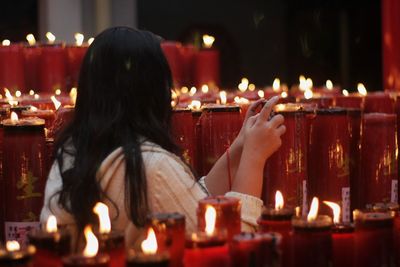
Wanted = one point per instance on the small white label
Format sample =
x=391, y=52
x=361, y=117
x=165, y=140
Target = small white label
x=346, y=204
x=394, y=196
x=304, y=210
x=19, y=231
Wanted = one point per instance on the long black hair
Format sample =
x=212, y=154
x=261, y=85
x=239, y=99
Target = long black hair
x=123, y=98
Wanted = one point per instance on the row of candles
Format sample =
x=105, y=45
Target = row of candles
x=284, y=238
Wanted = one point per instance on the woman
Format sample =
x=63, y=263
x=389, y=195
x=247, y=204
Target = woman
x=118, y=148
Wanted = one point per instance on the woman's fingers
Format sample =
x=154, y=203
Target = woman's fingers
x=253, y=108
x=277, y=120
x=281, y=130
x=266, y=111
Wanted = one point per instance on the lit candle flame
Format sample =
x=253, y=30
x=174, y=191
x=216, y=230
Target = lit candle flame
x=308, y=94
x=6, y=42
x=309, y=83
x=195, y=105
x=278, y=200
x=79, y=37
x=313, y=213
x=50, y=37
x=192, y=91
x=90, y=40
x=14, y=117
x=222, y=96
x=329, y=85
x=51, y=225
x=260, y=93
x=241, y=100
x=184, y=90
x=276, y=85
x=297, y=211
x=36, y=96
x=204, y=88
x=336, y=211
x=149, y=245
x=302, y=83
x=345, y=92
x=31, y=92
x=58, y=92
x=210, y=217
x=208, y=40
x=57, y=104
x=33, y=108
x=252, y=87
x=18, y=93
x=284, y=94
x=361, y=89
x=102, y=212
x=12, y=246
x=73, y=94
x=92, y=244
x=243, y=85
x=31, y=39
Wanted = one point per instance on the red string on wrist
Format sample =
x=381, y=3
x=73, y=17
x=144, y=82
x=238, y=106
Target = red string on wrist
x=228, y=159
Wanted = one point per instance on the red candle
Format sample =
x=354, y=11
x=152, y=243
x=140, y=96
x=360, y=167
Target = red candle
x=373, y=238
x=89, y=256
x=4, y=112
x=170, y=233
x=311, y=240
x=51, y=244
x=24, y=171
x=351, y=101
x=206, y=67
x=220, y=125
x=197, y=156
x=173, y=55
x=228, y=214
x=13, y=255
x=32, y=55
x=52, y=68
x=188, y=53
x=42, y=102
x=47, y=115
x=343, y=245
x=378, y=102
x=320, y=102
x=258, y=250
x=328, y=161
x=12, y=73
x=75, y=55
x=183, y=131
x=378, y=159
x=286, y=169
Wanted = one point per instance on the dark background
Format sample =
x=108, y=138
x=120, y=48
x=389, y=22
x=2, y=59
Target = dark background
x=258, y=39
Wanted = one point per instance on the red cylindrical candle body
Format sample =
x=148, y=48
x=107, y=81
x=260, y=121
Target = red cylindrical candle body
x=100, y=260
x=219, y=127
x=139, y=259
x=378, y=102
x=32, y=61
x=343, y=246
x=12, y=72
x=188, y=53
x=312, y=242
x=378, y=159
x=183, y=131
x=206, y=68
x=113, y=244
x=351, y=101
x=328, y=161
x=47, y=115
x=320, y=102
x=4, y=113
x=396, y=226
x=52, y=69
x=44, y=102
x=19, y=258
x=197, y=160
x=373, y=239
x=75, y=56
x=228, y=214
x=258, y=250
x=24, y=151
x=172, y=53
x=286, y=169
x=170, y=233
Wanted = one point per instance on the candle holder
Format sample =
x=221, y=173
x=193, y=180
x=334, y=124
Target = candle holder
x=76, y=260
x=170, y=234
x=113, y=244
x=19, y=258
x=140, y=259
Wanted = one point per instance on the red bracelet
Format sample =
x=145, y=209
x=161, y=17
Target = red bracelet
x=228, y=159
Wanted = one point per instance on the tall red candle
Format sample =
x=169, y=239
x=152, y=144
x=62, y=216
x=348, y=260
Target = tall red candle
x=173, y=55
x=206, y=68
x=52, y=68
x=351, y=101
x=183, y=131
x=343, y=246
x=24, y=151
x=328, y=161
x=4, y=113
x=219, y=127
x=47, y=115
x=373, y=238
x=32, y=56
x=12, y=73
x=378, y=159
x=228, y=214
x=188, y=53
x=320, y=102
x=197, y=156
x=75, y=56
x=378, y=102
x=286, y=169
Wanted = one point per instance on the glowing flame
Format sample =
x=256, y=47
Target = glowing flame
x=102, y=212
x=6, y=42
x=10, y=98
x=336, y=210
x=329, y=85
x=210, y=217
x=284, y=94
x=174, y=95
x=58, y=92
x=14, y=117
x=276, y=85
x=192, y=91
x=260, y=93
x=308, y=94
x=309, y=83
x=73, y=94
x=252, y=87
x=51, y=225
x=92, y=244
x=222, y=96
x=31, y=92
x=361, y=89
x=184, y=90
x=149, y=245
x=313, y=213
x=241, y=100
x=31, y=39
x=345, y=92
x=208, y=40
x=204, y=88
x=79, y=37
x=243, y=85
x=33, y=108
x=36, y=96
x=12, y=246
x=297, y=211
x=57, y=104
x=50, y=37
x=195, y=105
x=302, y=83
x=90, y=40
x=278, y=200
x=18, y=93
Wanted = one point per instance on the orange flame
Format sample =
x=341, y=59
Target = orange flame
x=51, y=225
x=102, y=212
x=92, y=244
x=12, y=246
x=149, y=245
x=313, y=213
x=279, y=203
x=210, y=217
